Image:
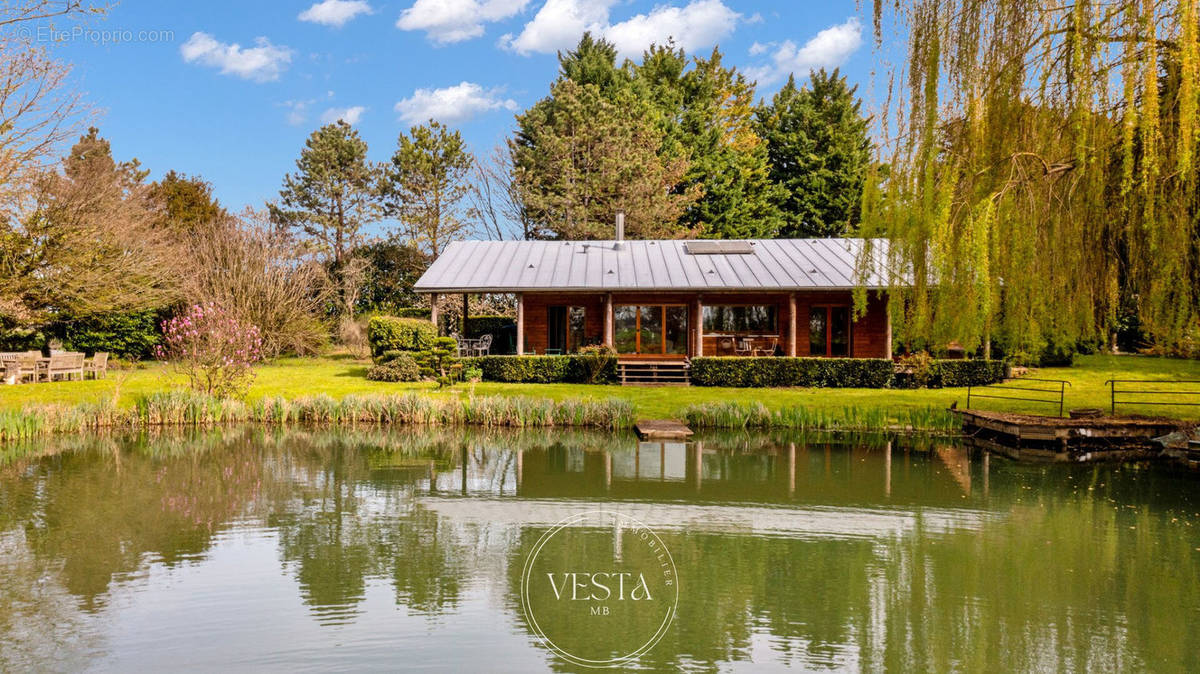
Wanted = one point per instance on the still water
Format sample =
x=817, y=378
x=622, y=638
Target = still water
x=252, y=549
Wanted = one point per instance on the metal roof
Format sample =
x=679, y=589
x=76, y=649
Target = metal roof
x=775, y=264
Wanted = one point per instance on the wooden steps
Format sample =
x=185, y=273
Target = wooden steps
x=653, y=373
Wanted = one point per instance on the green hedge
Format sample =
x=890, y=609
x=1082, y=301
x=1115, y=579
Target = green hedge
x=949, y=373
x=413, y=312
x=389, y=333
x=543, y=369
x=129, y=335
x=775, y=371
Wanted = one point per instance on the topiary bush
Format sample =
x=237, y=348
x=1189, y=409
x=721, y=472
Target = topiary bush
x=129, y=335
x=401, y=367
x=441, y=362
x=775, y=371
x=389, y=333
x=573, y=369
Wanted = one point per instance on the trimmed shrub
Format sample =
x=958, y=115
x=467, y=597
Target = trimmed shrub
x=546, y=369
x=951, y=373
x=389, y=333
x=131, y=335
x=401, y=367
x=775, y=371
x=413, y=312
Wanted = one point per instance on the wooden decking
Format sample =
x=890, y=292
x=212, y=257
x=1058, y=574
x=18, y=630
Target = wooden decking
x=662, y=429
x=1028, y=436
x=653, y=372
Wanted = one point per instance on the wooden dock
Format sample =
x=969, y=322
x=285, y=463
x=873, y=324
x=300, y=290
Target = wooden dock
x=662, y=429
x=1028, y=436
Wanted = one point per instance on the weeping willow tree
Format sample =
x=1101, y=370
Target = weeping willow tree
x=1042, y=169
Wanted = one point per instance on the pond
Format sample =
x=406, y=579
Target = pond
x=394, y=549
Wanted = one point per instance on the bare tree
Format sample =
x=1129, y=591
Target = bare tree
x=262, y=277
x=495, y=198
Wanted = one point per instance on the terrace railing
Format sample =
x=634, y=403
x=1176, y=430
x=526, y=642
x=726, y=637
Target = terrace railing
x=1161, y=392
x=1043, y=391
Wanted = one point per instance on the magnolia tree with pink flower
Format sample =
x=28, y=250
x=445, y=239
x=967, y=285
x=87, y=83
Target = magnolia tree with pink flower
x=215, y=350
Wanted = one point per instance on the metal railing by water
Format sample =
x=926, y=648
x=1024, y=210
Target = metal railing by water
x=1137, y=389
x=1055, y=391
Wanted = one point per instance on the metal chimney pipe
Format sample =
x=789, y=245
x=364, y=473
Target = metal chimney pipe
x=620, y=227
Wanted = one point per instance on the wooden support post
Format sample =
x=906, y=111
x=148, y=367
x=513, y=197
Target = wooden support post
x=433, y=311
x=608, y=321
x=466, y=312
x=887, y=341
x=520, y=324
x=698, y=321
x=792, y=326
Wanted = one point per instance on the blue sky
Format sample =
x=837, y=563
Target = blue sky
x=229, y=90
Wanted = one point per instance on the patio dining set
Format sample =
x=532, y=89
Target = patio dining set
x=747, y=346
x=32, y=366
x=481, y=346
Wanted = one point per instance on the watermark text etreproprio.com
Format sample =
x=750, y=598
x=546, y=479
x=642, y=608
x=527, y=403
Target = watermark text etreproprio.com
x=50, y=34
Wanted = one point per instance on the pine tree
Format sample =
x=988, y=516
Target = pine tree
x=585, y=155
x=425, y=185
x=187, y=202
x=819, y=152
x=332, y=196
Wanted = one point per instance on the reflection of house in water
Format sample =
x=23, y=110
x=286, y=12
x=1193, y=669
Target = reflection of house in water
x=708, y=470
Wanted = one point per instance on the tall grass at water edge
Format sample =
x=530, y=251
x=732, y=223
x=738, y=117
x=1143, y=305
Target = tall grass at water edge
x=755, y=415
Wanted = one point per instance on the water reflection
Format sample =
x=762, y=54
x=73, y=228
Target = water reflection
x=294, y=549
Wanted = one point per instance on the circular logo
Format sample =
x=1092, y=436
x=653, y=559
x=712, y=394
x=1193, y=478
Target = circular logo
x=599, y=588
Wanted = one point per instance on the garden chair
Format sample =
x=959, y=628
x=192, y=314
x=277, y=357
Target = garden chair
x=743, y=347
x=97, y=366
x=769, y=349
x=65, y=366
x=29, y=366
x=483, y=345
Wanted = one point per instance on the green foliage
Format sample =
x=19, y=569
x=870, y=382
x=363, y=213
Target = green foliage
x=392, y=268
x=591, y=368
x=425, y=184
x=440, y=362
x=187, y=201
x=597, y=360
x=819, y=152
x=400, y=367
x=413, y=312
x=955, y=373
x=583, y=153
x=331, y=197
x=388, y=333
x=131, y=336
x=774, y=371
x=755, y=415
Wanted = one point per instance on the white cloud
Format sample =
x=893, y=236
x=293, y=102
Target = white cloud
x=452, y=104
x=558, y=25
x=447, y=21
x=335, y=12
x=700, y=24
x=350, y=115
x=260, y=63
x=760, y=48
x=827, y=49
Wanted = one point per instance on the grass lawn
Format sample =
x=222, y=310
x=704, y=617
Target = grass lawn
x=338, y=377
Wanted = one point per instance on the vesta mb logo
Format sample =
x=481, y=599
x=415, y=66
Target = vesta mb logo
x=599, y=589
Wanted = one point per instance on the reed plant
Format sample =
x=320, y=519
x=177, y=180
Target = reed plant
x=755, y=415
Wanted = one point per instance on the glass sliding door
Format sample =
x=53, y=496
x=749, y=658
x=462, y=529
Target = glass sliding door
x=651, y=329
x=625, y=329
x=829, y=331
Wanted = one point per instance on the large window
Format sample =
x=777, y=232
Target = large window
x=829, y=331
x=651, y=329
x=758, y=319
